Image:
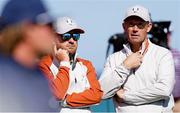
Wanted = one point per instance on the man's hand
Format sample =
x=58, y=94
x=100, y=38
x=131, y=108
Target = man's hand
x=119, y=96
x=61, y=54
x=120, y=93
x=133, y=61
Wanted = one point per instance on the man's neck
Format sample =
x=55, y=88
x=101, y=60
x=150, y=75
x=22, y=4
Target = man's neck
x=71, y=56
x=137, y=47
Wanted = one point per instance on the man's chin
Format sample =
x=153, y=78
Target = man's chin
x=134, y=41
x=71, y=52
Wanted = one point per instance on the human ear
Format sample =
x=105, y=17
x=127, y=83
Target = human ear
x=149, y=27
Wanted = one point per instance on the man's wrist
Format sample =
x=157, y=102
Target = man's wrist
x=125, y=65
x=65, y=63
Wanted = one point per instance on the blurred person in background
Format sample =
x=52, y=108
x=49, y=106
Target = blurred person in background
x=72, y=79
x=144, y=70
x=25, y=36
x=176, y=90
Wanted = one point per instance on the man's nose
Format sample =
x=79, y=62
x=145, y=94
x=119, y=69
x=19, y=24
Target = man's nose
x=71, y=40
x=135, y=28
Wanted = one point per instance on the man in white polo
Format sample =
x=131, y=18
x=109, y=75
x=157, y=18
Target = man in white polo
x=145, y=71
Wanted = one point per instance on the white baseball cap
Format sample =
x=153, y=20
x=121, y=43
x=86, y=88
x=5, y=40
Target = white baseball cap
x=66, y=24
x=139, y=11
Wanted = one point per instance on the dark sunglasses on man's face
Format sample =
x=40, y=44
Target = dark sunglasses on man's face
x=140, y=25
x=68, y=36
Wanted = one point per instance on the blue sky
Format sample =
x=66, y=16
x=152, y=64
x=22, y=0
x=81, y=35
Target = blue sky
x=103, y=18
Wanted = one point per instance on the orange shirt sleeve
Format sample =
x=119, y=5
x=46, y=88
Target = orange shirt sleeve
x=59, y=85
x=89, y=96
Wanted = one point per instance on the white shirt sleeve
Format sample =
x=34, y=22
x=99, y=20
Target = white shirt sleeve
x=111, y=78
x=162, y=89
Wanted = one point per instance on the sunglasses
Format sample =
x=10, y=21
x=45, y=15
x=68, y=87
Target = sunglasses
x=140, y=25
x=68, y=36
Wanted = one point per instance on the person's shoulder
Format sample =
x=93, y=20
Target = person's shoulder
x=46, y=60
x=160, y=49
x=160, y=52
x=86, y=61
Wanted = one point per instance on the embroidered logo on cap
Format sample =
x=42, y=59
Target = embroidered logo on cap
x=135, y=10
x=69, y=21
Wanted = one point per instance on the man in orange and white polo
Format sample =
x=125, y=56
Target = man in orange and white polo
x=72, y=79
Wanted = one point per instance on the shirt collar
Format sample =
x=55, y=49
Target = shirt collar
x=143, y=49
